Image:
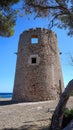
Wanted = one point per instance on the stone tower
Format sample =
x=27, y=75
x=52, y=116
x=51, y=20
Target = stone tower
x=38, y=71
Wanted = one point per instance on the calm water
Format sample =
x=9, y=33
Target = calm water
x=5, y=95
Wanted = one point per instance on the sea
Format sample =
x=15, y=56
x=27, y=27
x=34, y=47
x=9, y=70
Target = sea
x=5, y=95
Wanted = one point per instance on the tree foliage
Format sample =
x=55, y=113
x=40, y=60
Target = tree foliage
x=7, y=17
x=59, y=12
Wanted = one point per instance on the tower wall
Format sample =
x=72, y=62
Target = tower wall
x=38, y=71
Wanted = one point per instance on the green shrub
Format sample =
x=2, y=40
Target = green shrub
x=68, y=116
x=72, y=94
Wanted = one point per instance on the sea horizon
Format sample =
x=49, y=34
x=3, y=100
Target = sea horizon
x=5, y=94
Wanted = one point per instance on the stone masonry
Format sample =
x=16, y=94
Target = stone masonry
x=38, y=74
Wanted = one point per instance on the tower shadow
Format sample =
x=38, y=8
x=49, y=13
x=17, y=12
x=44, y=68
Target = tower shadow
x=6, y=102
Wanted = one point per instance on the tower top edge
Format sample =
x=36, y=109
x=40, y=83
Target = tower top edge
x=38, y=29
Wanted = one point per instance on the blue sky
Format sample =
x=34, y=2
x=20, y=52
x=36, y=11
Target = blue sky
x=10, y=45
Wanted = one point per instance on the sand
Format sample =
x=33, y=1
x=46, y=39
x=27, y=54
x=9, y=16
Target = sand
x=27, y=116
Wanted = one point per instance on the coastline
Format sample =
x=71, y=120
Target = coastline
x=4, y=99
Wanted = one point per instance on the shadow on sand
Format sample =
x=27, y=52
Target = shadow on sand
x=31, y=127
x=7, y=102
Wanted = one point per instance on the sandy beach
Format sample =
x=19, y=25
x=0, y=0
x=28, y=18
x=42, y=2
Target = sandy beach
x=27, y=116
